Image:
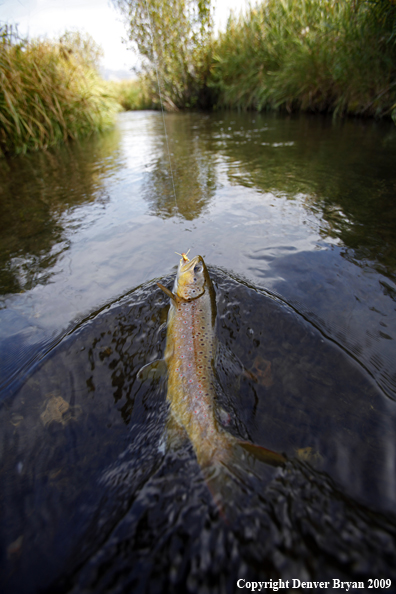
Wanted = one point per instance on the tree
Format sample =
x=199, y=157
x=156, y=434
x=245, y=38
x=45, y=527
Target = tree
x=173, y=37
x=83, y=47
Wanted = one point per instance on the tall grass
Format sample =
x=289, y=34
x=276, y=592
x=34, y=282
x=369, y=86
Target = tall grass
x=48, y=93
x=318, y=55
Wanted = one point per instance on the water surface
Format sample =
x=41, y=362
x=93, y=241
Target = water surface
x=296, y=219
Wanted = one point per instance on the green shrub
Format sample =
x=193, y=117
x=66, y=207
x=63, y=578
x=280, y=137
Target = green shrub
x=131, y=95
x=319, y=55
x=48, y=93
x=173, y=38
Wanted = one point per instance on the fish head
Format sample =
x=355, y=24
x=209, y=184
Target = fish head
x=191, y=278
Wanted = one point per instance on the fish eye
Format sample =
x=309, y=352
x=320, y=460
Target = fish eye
x=198, y=268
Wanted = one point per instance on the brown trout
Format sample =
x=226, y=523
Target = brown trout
x=190, y=360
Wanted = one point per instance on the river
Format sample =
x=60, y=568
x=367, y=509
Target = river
x=295, y=217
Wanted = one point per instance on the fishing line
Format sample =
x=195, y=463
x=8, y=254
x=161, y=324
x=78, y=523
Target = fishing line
x=160, y=96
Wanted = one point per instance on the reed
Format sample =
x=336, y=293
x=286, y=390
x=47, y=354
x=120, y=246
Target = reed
x=318, y=55
x=48, y=93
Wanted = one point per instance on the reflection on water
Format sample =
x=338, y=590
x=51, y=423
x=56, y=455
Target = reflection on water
x=188, y=170
x=36, y=192
x=343, y=173
x=300, y=208
x=116, y=507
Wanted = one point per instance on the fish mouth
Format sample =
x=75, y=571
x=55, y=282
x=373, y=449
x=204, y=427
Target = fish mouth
x=188, y=265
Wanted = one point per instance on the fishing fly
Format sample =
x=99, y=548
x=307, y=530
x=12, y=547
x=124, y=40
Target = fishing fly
x=184, y=255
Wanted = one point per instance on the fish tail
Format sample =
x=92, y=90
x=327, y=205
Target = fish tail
x=238, y=474
x=257, y=452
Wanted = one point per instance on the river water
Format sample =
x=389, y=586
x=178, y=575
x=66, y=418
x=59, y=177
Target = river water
x=296, y=220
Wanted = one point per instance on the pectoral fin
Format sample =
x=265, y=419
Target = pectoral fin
x=153, y=371
x=167, y=292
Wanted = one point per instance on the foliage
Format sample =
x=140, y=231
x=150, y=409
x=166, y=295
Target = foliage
x=83, y=47
x=173, y=38
x=49, y=92
x=384, y=15
x=322, y=55
x=130, y=94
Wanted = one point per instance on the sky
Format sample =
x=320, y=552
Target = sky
x=50, y=18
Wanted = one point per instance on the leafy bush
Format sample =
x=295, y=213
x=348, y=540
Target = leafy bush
x=319, y=55
x=49, y=92
x=173, y=38
x=131, y=95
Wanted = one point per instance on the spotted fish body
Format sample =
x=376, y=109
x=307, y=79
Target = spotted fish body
x=190, y=355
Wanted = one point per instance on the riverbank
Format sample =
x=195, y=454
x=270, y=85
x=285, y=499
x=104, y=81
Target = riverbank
x=131, y=95
x=322, y=56
x=327, y=56
x=50, y=92
x=311, y=55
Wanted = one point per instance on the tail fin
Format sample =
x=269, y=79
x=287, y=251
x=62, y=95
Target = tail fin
x=261, y=453
x=239, y=475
